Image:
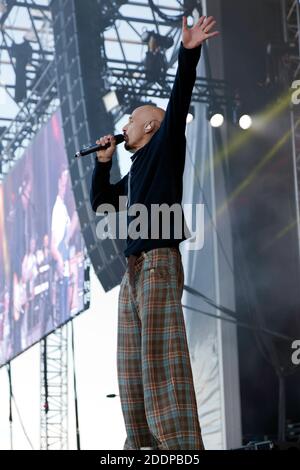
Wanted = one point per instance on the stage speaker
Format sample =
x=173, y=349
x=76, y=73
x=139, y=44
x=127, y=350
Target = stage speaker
x=80, y=62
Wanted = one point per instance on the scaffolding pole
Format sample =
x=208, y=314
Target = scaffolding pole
x=291, y=32
x=54, y=391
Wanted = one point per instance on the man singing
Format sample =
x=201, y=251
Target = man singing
x=154, y=371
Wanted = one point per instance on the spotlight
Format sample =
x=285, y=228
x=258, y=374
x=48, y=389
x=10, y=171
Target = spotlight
x=191, y=115
x=215, y=116
x=245, y=122
x=111, y=101
x=217, y=120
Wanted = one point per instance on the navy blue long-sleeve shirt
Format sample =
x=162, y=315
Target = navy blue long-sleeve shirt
x=156, y=174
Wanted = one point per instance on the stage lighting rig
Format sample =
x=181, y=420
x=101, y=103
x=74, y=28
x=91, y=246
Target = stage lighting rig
x=119, y=103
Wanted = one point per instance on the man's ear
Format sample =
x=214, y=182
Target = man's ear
x=148, y=128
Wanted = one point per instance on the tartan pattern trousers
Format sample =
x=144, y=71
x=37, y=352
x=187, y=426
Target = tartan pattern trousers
x=154, y=370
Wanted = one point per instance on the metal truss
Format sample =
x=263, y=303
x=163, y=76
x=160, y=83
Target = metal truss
x=132, y=84
x=291, y=28
x=19, y=121
x=126, y=75
x=24, y=21
x=34, y=113
x=122, y=29
x=54, y=391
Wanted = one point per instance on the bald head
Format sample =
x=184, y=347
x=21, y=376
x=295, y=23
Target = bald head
x=149, y=113
x=142, y=125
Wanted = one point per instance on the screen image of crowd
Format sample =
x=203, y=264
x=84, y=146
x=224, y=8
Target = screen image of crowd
x=41, y=247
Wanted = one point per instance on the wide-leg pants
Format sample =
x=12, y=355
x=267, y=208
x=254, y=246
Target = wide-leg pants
x=154, y=370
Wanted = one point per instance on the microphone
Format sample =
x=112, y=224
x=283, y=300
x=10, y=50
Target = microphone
x=95, y=148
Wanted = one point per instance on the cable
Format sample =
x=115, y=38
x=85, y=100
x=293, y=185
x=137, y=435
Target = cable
x=172, y=19
x=46, y=404
x=12, y=398
x=210, y=214
x=75, y=390
x=10, y=406
x=22, y=424
x=230, y=312
x=240, y=324
x=210, y=302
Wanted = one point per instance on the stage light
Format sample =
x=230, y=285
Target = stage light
x=111, y=101
x=117, y=99
x=215, y=115
x=191, y=115
x=217, y=120
x=245, y=122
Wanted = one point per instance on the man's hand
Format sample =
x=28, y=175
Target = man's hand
x=106, y=155
x=200, y=32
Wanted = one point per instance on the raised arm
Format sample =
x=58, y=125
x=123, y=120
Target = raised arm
x=174, y=122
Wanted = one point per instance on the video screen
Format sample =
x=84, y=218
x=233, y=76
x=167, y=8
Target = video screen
x=42, y=263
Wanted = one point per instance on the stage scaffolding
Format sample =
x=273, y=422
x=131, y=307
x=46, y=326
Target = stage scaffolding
x=291, y=29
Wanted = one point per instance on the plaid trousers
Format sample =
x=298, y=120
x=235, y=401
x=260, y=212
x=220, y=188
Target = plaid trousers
x=154, y=370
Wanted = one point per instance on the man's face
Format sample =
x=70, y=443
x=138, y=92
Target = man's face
x=26, y=194
x=32, y=245
x=134, y=131
x=141, y=126
x=63, y=183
